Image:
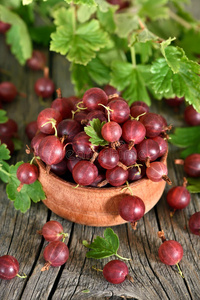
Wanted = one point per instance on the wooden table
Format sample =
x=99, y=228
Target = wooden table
x=18, y=237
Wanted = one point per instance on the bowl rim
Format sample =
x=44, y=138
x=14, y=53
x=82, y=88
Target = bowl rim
x=91, y=188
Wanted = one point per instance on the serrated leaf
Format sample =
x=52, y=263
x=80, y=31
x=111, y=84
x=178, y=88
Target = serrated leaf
x=3, y=116
x=17, y=144
x=5, y=167
x=84, y=12
x=79, y=43
x=11, y=191
x=87, y=2
x=94, y=131
x=80, y=79
x=144, y=50
x=22, y=202
x=41, y=34
x=103, y=5
x=17, y=36
x=155, y=9
x=190, y=43
x=22, y=198
x=104, y=247
x=63, y=16
x=107, y=19
x=186, y=81
x=193, y=185
x=125, y=23
x=34, y=191
x=190, y=150
x=4, y=152
x=144, y=36
x=185, y=136
x=126, y=77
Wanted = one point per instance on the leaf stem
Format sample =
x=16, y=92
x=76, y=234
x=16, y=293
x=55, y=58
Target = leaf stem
x=133, y=56
x=4, y=171
x=179, y=20
x=124, y=258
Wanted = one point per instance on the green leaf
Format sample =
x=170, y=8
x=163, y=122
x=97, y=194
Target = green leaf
x=79, y=43
x=26, y=2
x=41, y=34
x=103, y=247
x=17, y=144
x=126, y=77
x=107, y=19
x=87, y=2
x=17, y=36
x=186, y=81
x=103, y=5
x=3, y=116
x=191, y=43
x=84, y=12
x=85, y=77
x=80, y=78
x=193, y=185
x=125, y=23
x=144, y=50
x=34, y=191
x=4, y=152
x=190, y=150
x=154, y=10
x=185, y=136
x=3, y=175
x=11, y=3
x=22, y=202
x=22, y=198
x=144, y=36
x=94, y=131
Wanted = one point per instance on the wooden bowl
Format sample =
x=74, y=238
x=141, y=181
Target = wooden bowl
x=94, y=206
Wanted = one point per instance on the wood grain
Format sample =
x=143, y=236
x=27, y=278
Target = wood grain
x=18, y=237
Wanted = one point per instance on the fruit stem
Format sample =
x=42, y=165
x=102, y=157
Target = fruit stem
x=179, y=270
x=80, y=108
x=46, y=266
x=46, y=72
x=185, y=182
x=23, y=95
x=96, y=269
x=179, y=161
x=130, y=145
x=134, y=225
x=121, y=257
x=172, y=213
x=104, y=182
x=127, y=187
x=161, y=235
x=113, y=96
x=129, y=277
x=59, y=93
x=147, y=162
x=120, y=164
x=94, y=156
x=137, y=118
x=64, y=235
x=20, y=187
x=21, y=276
x=32, y=160
x=108, y=110
x=53, y=124
x=167, y=179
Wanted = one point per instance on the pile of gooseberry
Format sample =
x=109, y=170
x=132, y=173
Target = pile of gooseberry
x=135, y=140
